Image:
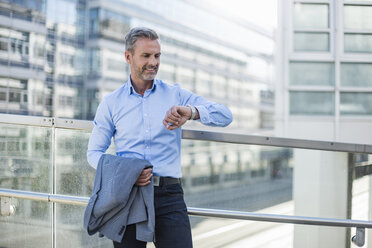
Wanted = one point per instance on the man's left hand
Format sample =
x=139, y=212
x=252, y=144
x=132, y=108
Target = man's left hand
x=176, y=116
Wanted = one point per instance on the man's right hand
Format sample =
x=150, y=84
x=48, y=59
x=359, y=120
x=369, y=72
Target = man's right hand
x=145, y=177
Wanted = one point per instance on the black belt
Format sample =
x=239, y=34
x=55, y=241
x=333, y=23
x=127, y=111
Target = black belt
x=160, y=181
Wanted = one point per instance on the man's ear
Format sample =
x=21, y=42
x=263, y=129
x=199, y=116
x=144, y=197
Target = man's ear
x=128, y=57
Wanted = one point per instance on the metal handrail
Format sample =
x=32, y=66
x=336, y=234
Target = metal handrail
x=199, y=135
x=203, y=212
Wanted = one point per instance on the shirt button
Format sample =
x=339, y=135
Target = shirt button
x=147, y=131
x=145, y=114
x=147, y=147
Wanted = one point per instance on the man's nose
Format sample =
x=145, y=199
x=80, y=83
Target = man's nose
x=153, y=61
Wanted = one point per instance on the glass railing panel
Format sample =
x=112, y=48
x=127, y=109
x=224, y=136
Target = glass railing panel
x=29, y=227
x=25, y=157
x=235, y=177
x=70, y=231
x=361, y=191
x=74, y=176
x=213, y=233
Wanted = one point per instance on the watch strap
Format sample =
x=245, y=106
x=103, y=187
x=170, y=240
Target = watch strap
x=193, y=111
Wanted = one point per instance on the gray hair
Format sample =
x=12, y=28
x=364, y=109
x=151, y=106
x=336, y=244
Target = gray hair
x=136, y=33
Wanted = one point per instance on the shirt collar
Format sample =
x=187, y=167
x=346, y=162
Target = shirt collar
x=131, y=89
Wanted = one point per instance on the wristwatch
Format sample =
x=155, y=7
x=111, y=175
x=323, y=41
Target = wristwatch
x=193, y=111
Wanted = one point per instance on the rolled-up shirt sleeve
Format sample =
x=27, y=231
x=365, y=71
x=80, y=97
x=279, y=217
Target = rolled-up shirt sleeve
x=211, y=113
x=100, y=138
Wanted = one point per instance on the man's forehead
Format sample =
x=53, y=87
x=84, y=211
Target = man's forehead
x=147, y=43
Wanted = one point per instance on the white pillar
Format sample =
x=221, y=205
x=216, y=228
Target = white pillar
x=320, y=190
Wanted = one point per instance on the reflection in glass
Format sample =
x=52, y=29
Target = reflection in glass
x=311, y=15
x=30, y=226
x=70, y=231
x=25, y=158
x=235, y=177
x=312, y=103
x=311, y=42
x=358, y=17
x=74, y=176
x=356, y=74
x=359, y=103
x=358, y=43
x=310, y=73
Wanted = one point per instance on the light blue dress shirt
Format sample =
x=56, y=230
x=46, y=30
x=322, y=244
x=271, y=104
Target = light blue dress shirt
x=136, y=123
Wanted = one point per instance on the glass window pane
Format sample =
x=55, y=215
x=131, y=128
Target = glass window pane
x=14, y=97
x=358, y=43
x=312, y=103
x=358, y=17
x=359, y=103
x=311, y=42
x=2, y=96
x=356, y=74
x=309, y=73
x=311, y=15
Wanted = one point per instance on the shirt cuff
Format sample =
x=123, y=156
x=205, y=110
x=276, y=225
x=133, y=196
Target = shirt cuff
x=203, y=114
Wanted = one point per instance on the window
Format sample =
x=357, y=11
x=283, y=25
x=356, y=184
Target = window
x=358, y=43
x=311, y=27
x=3, y=44
x=14, y=97
x=94, y=60
x=357, y=17
x=108, y=24
x=2, y=96
x=312, y=103
x=311, y=42
x=39, y=51
x=311, y=15
x=67, y=59
x=359, y=103
x=116, y=65
x=311, y=73
x=356, y=74
x=358, y=29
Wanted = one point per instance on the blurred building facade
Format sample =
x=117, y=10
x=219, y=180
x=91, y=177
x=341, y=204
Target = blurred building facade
x=324, y=92
x=324, y=88
x=60, y=57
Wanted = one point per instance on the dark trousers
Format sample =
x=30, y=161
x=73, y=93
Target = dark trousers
x=172, y=225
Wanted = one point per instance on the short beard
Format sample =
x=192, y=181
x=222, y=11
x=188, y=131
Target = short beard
x=151, y=76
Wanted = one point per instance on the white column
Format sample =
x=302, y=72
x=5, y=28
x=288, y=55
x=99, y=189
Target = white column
x=320, y=190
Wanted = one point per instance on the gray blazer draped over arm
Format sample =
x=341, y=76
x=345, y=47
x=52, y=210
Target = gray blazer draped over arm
x=117, y=202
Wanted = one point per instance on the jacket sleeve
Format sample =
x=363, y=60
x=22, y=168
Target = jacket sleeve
x=211, y=113
x=100, y=138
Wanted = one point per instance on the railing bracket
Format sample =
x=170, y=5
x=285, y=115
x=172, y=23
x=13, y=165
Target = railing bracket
x=359, y=238
x=6, y=207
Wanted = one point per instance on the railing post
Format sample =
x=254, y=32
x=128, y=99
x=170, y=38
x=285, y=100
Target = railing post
x=350, y=177
x=359, y=238
x=53, y=182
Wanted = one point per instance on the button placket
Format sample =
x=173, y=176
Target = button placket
x=146, y=127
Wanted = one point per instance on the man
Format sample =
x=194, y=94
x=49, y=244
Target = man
x=144, y=116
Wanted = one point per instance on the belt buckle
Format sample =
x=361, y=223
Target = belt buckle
x=156, y=180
